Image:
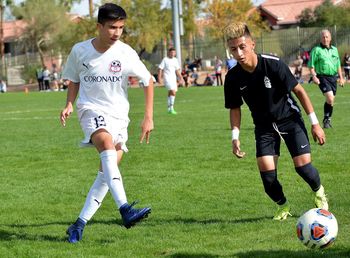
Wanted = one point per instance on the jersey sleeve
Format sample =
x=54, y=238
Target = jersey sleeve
x=232, y=94
x=139, y=69
x=311, y=63
x=286, y=76
x=70, y=71
x=162, y=64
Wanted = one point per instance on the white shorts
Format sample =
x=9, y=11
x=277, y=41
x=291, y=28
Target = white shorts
x=171, y=86
x=93, y=120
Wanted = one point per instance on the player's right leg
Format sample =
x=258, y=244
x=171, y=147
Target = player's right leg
x=103, y=142
x=272, y=186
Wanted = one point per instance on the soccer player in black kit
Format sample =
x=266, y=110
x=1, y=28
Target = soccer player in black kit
x=265, y=84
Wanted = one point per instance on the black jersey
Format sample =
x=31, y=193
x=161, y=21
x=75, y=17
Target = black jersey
x=267, y=90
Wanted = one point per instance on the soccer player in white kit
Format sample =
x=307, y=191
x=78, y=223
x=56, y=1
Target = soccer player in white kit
x=98, y=69
x=170, y=70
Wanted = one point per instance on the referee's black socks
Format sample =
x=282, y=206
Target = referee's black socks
x=328, y=110
x=311, y=176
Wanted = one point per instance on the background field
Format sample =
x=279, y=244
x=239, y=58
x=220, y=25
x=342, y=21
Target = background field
x=205, y=203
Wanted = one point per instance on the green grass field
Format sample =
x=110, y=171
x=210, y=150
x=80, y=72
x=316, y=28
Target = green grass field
x=205, y=202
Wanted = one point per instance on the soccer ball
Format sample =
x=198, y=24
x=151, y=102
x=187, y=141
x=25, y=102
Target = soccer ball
x=317, y=228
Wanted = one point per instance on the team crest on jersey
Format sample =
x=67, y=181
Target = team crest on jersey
x=115, y=66
x=267, y=82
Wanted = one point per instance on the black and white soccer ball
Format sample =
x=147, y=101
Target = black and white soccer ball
x=317, y=228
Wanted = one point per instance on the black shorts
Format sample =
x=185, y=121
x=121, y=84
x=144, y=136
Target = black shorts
x=328, y=83
x=293, y=132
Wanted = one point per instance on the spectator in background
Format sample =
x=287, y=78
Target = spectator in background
x=325, y=68
x=3, y=87
x=230, y=62
x=46, y=78
x=194, y=77
x=346, y=62
x=39, y=77
x=208, y=81
x=298, y=69
x=218, y=70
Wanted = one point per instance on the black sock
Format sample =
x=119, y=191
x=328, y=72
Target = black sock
x=311, y=176
x=272, y=187
x=328, y=110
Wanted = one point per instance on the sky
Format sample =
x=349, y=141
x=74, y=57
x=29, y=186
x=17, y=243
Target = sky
x=83, y=7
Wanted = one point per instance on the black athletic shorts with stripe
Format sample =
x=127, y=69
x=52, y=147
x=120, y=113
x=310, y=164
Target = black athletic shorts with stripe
x=328, y=83
x=291, y=129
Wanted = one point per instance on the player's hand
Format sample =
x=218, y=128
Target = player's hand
x=236, y=150
x=65, y=113
x=341, y=82
x=146, y=127
x=318, y=134
x=316, y=80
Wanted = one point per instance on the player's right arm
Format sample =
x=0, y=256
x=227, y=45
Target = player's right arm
x=235, y=119
x=160, y=76
x=72, y=92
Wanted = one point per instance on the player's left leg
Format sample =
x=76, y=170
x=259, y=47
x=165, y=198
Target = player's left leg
x=298, y=145
x=328, y=109
x=171, y=102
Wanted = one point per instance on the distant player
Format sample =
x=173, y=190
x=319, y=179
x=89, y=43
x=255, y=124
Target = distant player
x=99, y=69
x=265, y=83
x=325, y=67
x=170, y=70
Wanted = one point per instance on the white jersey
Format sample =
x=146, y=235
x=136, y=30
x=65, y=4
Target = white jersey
x=103, y=77
x=169, y=66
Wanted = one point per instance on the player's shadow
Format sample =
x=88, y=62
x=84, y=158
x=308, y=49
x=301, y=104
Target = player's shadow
x=12, y=233
x=208, y=221
x=8, y=235
x=308, y=253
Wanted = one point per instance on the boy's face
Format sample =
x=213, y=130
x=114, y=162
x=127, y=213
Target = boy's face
x=111, y=31
x=242, y=49
x=171, y=53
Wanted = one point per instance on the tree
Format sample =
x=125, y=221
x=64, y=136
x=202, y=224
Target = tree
x=326, y=14
x=43, y=27
x=3, y=3
x=146, y=23
x=222, y=12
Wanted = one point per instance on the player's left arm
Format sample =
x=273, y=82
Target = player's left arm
x=147, y=123
x=341, y=78
x=316, y=130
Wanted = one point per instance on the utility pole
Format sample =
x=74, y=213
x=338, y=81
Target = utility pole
x=2, y=47
x=176, y=28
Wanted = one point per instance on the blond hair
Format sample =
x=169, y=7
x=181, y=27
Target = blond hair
x=236, y=30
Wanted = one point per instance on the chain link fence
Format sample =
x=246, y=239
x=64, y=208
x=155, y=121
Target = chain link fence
x=286, y=43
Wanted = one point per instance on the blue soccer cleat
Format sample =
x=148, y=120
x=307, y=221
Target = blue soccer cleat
x=75, y=231
x=131, y=215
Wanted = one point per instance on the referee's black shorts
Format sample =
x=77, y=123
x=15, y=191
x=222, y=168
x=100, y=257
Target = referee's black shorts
x=293, y=132
x=328, y=83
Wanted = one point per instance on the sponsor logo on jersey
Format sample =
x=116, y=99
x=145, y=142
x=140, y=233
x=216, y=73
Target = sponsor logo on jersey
x=115, y=66
x=267, y=82
x=93, y=78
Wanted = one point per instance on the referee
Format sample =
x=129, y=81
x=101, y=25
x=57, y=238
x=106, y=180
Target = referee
x=325, y=68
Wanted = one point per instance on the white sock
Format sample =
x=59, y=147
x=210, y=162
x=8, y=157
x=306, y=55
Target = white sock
x=169, y=103
x=94, y=198
x=172, y=102
x=112, y=176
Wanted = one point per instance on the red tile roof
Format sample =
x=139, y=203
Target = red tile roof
x=13, y=30
x=287, y=11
